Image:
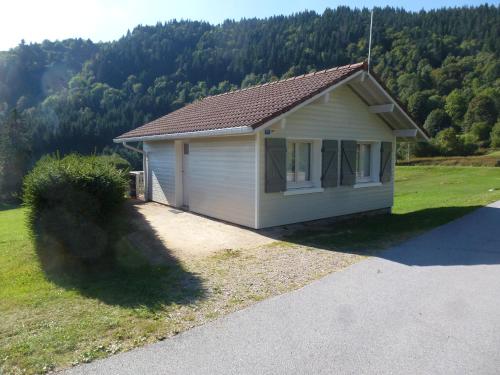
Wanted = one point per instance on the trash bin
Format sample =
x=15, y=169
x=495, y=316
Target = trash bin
x=132, y=183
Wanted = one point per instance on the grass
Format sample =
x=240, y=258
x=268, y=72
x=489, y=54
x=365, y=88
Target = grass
x=425, y=197
x=491, y=159
x=52, y=320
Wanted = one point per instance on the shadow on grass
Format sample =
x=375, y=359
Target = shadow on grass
x=143, y=274
x=366, y=234
x=472, y=241
x=4, y=206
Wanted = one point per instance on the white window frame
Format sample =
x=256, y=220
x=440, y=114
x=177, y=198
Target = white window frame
x=314, y=185
x=373, y=179
x=301, y=184
x=369, y=178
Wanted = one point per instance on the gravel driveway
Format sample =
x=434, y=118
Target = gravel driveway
x=187, y=234
x=430, y=305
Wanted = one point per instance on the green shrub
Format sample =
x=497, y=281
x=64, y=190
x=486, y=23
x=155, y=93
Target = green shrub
x=73, y=202
x=480, y=132
x=495, y=135
x=469, y=146
x=424, y=149
x=437, y=120
x=117, y=161
x=450, y=143
x=481, y=109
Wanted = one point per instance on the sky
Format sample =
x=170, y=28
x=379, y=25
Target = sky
x=105, y=20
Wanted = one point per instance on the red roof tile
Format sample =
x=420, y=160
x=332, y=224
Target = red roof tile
x=252, y=106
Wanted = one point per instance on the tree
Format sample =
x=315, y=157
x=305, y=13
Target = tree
x=456, y=106
x=249, y=80
x=481, y=109
x=437, y=120
x=435, y=102
x=15, y=155
x=448, y=142
x=480, y=132
x=78, y=95
x=418, y=106
x=495, y=135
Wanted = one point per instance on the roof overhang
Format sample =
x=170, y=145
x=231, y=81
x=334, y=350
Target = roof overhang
x=241, y=130
x=362, y=83
x=381, y=103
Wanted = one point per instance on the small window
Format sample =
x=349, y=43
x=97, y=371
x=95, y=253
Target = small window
x=364, y=162
x=186, y=148
x=298, y=173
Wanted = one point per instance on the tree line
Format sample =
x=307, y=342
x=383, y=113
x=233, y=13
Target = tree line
x=76, y=95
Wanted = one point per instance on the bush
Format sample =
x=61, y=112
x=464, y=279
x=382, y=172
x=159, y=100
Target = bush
x=73, y=202
x=117, y=161
x=495, y=135
x=480, y=133
x=481, y=109
x=437, y=120
x=469, y=146
x=424, y=149
x=448, y=142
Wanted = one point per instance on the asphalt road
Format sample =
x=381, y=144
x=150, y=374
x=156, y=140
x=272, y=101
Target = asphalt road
x=428, y=306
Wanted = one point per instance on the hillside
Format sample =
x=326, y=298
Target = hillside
x=75, y=95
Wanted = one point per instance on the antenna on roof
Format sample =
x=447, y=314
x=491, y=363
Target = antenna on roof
x=370, y=41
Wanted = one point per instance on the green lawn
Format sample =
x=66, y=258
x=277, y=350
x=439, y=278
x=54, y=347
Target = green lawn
x=425, y=197
x=51, y=320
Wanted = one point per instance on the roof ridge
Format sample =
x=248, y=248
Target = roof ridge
x=232, y=114
x=335, y=68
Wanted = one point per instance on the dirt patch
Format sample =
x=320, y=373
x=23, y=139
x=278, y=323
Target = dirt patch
x=247, y=276
x=186, y=234
x=235, y=279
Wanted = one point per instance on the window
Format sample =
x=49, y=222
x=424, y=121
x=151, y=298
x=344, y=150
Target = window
x=298, y=164
x=364, y=162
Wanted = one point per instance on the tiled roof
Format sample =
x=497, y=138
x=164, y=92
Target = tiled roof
x=252, y=106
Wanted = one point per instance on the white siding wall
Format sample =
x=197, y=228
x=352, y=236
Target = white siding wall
x=344, y=117
x=222, y=178
x=161, y=167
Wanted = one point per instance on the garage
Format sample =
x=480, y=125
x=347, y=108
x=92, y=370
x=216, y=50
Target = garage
x=161, y=166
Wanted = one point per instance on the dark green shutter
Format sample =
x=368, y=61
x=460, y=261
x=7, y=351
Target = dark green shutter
x=348, y=163
x=385, y=161
x=329, y=163
x=275, y=165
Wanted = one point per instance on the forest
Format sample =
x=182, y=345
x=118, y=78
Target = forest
x=76, y=95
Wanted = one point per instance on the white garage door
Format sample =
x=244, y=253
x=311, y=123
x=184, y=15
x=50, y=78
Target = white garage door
x=222, y=178
x=161, y=157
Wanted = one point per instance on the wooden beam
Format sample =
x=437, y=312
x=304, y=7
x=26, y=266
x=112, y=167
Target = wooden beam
x=383, y=108
x=279, y=125
x=406, y=133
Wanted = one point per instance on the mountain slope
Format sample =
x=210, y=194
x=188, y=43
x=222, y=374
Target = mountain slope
x=77, y=96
